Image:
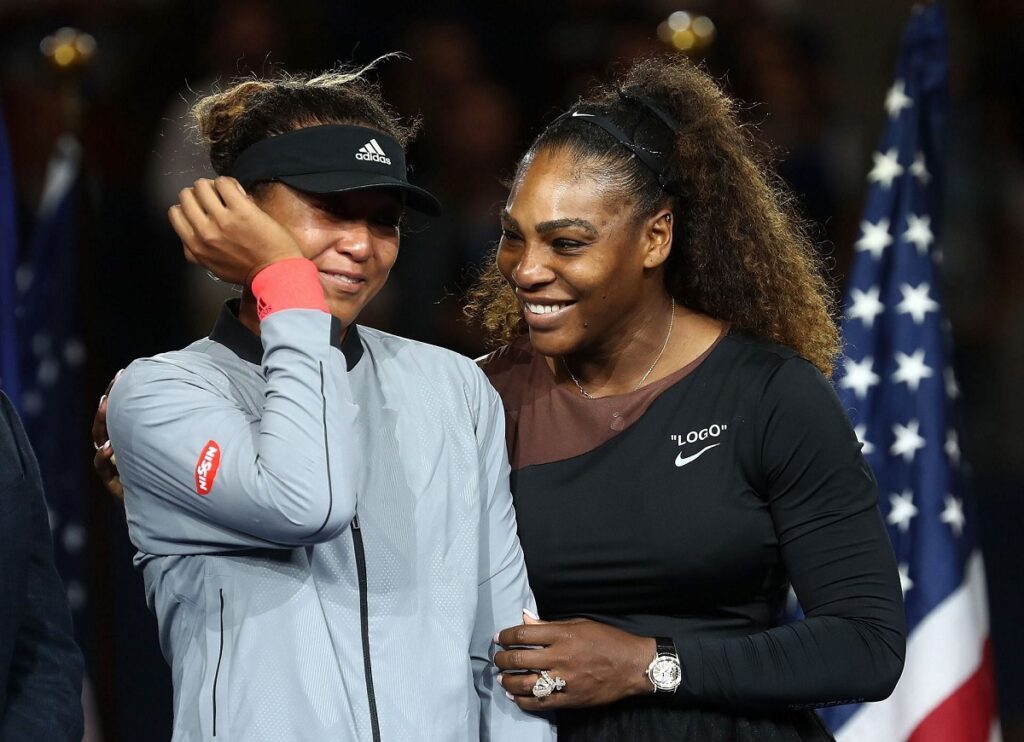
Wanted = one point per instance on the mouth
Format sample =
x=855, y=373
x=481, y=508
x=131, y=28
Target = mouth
x=546, y=308
x=544, y=315
x=346, y=282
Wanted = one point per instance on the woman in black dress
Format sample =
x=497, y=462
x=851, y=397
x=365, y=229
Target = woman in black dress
x=678, y=456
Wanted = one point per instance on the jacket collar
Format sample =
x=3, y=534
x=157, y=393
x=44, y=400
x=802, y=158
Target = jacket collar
x=240, y=340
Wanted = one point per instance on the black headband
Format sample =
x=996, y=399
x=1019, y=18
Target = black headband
x=655, y=161
x=332, y=159
x=651, y=106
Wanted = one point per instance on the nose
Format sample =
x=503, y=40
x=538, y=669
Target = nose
x=354, y=239
x=531, y=269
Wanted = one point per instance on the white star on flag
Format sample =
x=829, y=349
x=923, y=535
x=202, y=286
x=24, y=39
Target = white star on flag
x=954, y=514
x=952, y=388
x=902, y=510
x=908, y=441
x=897, y=99
x=866, y=447
x=76, y=595
x=916, y=301
x=912, y=369
x=865, y=306
x=905, y=582
x=919, y=232
x=886, y=168
x=874, y=237
x=859, y=376
x=73, y=538
x=74, y=352
x=920, y=169
x=23, y=278
x=952, y=446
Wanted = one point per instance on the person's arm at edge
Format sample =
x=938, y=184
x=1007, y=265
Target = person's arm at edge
x=44, y=693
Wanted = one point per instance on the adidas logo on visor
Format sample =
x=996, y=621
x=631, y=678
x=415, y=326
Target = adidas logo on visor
x=372, y=152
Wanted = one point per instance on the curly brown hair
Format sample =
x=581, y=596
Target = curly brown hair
x=740, y=254
x=252, y=109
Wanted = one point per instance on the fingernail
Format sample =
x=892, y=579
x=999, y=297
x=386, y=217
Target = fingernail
x=102, y=397
x=531, y=614
x=509, y=696
x=501, y=678
x=496, y=641
x=105, y=446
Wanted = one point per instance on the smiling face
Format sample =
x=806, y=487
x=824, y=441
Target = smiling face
x=586, y=271
x=351, y=237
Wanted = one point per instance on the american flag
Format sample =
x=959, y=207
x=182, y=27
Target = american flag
x=40, y=307
x=897, y=383
x=51, y=364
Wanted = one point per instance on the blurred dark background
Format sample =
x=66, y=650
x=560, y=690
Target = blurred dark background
x=485, y=77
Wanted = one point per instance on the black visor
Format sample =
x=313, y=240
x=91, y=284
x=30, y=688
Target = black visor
x=332, y=159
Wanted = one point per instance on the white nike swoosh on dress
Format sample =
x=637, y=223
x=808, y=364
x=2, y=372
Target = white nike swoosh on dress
x=681, y=461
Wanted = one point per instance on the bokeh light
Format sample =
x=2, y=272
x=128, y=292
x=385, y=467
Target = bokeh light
x=68, y=48
x=687, y=32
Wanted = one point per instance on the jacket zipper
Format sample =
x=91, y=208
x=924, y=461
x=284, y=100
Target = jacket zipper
x=220, y=655
x=364, y=619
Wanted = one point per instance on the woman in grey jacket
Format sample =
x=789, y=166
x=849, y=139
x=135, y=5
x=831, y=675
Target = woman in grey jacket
x=321, y=511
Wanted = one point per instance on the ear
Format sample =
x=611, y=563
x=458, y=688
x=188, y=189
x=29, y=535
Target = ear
x=658, y=233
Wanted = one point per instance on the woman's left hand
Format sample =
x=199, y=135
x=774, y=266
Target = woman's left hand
x=599, y=663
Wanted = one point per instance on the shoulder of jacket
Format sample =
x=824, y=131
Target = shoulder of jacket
x=190, y=364
x=419, y=351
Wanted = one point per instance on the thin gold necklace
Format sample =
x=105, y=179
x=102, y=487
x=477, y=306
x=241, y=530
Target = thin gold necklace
x=671, y=322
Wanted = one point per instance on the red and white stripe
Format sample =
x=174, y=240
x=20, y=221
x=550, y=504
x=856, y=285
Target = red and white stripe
x=947, y=691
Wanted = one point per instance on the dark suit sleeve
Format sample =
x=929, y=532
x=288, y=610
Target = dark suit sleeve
x=44, y=679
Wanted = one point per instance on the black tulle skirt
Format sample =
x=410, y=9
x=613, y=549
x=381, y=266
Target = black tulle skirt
x=632, y=722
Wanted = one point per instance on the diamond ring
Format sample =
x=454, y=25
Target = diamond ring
x=546, y=685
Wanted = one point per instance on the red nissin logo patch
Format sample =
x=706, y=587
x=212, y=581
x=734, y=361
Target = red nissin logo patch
x=206, y=467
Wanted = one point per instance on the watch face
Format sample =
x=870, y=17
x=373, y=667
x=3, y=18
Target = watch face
x=665, y=673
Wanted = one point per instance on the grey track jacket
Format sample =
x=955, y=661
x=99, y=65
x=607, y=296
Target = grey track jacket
x=326, y=535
